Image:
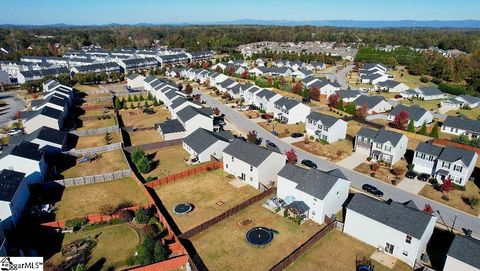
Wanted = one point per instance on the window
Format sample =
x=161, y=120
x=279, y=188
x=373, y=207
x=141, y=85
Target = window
x=338, y=194
x=457, y=168
x=408, y=240
x=423, y=156
x=226, y=165
x=379, y=145
x=251, y=179
x=314, y=199
x=320, y=127
x=313, y=213
x=430, y=158
x=388, y=148
x=251, y=168
x=326, y=129
x=405, y=253
x=446, y=164
x=232, y=158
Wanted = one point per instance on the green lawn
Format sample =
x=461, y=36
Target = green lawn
x=428, y=105
x=473, y=114
x=413, y=81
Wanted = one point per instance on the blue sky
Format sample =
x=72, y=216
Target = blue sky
x=178, y=11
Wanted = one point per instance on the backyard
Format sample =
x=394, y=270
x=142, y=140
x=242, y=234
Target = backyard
x=224, y=247
x=473, y=114
x=138, y=119
x=144, y=137
x=427, y=105
x=413, y=81
x=108, y=121
x=93, y=141
x=337, y=251
x=81, y=200
x=210, y=193
x=69, y=166
x=283, y=130
x=456, y=197
x=333, y=152
x=168, y=161
x=384, y=173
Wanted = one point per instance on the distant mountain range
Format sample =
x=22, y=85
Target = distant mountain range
x=331, y=23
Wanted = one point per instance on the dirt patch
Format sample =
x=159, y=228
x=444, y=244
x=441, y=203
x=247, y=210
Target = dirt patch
x=333, y=152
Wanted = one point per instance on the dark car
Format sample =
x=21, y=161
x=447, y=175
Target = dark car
x=309, y=163
x=372, y=190
x=398, y=96
x=423, y=177
x=297, y=135
x=241, y=138
x=252, y=107
x=411, y=174
x=270, y=144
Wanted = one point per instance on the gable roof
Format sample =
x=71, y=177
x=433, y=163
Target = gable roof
x=346, y=94
x=384, y=136
x=247, y=152
x=370, y=101
x=415, y=112
x=201, y=139
x=171, y=126
x=287, y=103
x=462, y=123
x=9, y=182
x=465, y=249
x=452, y=154
x=429, y=148
x=393, y=214
x=313, y=182
x=367, y=132
x=430, y=91
x=43, y=133
x=25, y=150
x=389, y=83
x=326, y=120
x=267, y=94
x=189, y=112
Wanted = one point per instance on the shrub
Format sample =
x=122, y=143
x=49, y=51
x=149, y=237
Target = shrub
x=107, y=209
x=143, y=215
x=150, y=230
x=369, y=158
x=126, y=215
x=150, y=178
x=153, y=220
x=137, y=154
x=398, y=171
x=124, y=204
x=374, y=167
x=76, y=223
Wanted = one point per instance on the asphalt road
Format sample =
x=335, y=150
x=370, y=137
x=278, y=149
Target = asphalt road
x=14, y=104
x=341, y=75
x=463, y=220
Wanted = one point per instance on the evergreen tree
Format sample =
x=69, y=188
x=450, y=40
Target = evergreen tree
x=160, y=253
x=155, y=102
x=411, y=126
x=141, y=98
x=144, y=165
x=132, y=106
x=435, y=133
x=135, y=98
x=139, y=105
x=423, y=129
x=129, y=98
x=137, y=154
x=146, y=104
x=118, y=103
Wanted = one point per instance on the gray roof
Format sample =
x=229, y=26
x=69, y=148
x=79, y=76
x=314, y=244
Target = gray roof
x=25, y=149
x=389, y=83
x=411, y=91
x=348, y=93
x=470, y=99
x=299, y=207
x=201, y=139
x=266, y=93
x=430, y=91
x=384, y=136
x=367, y=132
x=313, y=182
x=171, y=126
x=177, y=102
x=415, y=112
x=401, y=217
x=189, y=112
x=429, y=148
x=248, y=152
x=452, y=154
x=465, y=249
x=370, y=101
x=43, y=133
x=287, y=103
x=227, y=83
x=9, y=182
x=326, y=120
x=462, y=123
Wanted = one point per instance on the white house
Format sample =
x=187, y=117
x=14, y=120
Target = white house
x=203, y=144
x=325, y=127
x=47, y=116
x=382, y=145
x=24, y=157
x=375, y=104
x=265, y=100
x=179, y=104
x=171, y=129
x=249, y=95
x=290, y=111
x=55, y=101
x=312, y=193
x=392, y=86
x=48, y=139
x=326, y=88
x=463, y=254
x=348, y=96
x=415, y=113
x=315, y=65
x=302, y=73
x=461, y=126
x=430, y=93
x=193, y=118
x=398, y=229
x=252, y=164
x=135, y=81
x=457, y=102
x=226, y=85
x=14, y=195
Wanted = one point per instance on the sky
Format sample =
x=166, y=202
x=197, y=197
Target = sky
x=87, y=12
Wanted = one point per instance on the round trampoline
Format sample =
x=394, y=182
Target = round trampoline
x=259, y=236
x=182, y=208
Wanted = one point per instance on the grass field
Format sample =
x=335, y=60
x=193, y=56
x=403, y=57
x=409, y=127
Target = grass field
x=144, y=137
x=136, y=118
x=428, y=105
x=333, y=152
x=86, y=88
x=95, y=124
x=115, y=244
x=93, y=141
x=455, y=197
x=413, y=81
x=337, y=251
x=473, y=114
x=224, y=247
x=169, y=160
x=283, y=130
x=108, y=162
x=204, y=191
x=86, y=199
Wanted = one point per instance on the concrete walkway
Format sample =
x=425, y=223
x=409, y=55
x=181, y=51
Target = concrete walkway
x=413, y=186
x=353, y=160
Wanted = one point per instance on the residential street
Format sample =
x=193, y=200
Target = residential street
x=357, y=180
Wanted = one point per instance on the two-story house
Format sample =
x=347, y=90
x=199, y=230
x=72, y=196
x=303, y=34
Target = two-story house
x=265, y=100
x=24, y=157
x=193, y=118
x=290, y=111
x=463, y=254
x=455, y=163
x=425, y=158
x=203, y=144
x=325, y=127
x=381, y=145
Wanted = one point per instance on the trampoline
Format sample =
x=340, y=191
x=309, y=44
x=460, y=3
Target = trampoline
x=259, y=236
x=182, y=208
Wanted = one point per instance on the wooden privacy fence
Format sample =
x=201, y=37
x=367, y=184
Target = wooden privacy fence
x=282, y=264
x=446, y=142
x=184, y=174
x=98, y=99
x=155, y=145
x=106, y=148
x=134, y=129
x=91, y=179
x=97, y=131
x=123, y=94
x=228, y=213
x=365, y=122
x=171, y=264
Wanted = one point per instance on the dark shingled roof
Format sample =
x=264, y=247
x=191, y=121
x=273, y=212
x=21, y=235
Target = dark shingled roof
x=287, y=103
x=51, y=112
x=189, y=112
x=266, y=93
x=384, y=136
x=171, y=126
x=314, y=182
x=429, y=148
x=462, y=123
x=367, y=132
x=25, y=149
x=248, y=152
x=396, y=215
x=44, y=133
x=326, y=120
x=415, y=112
x=452, y=154
x=466, y=249
x=201, y=139
x=370, y=101
x=299, y=207
x=9, y=182
x=430, y=91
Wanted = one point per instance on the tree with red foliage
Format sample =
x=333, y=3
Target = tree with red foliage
x=252, y=136
x=245, y=74
x=216, y=111
x=230, y=70
x=291, y=156
x=401, y=120
x=218, y=69
x=205, y=65
x=315, y=93
x=447, y=186
x=297, y=87
x=282, y=81
x=362, y=111
x=188, y=89
x=333, y=100
x=270, y=81
x=197, y=98
x=191, y=65
x=180, y=87
x=17, y=115
x=428, y=209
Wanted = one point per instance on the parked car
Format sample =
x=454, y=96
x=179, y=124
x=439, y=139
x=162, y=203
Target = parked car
x=15, y=131
x=372, y=190
x=423, y=177
x=398, y=96
x=252, y=107
x=297, y=135
x=411, y=174
x=270, y=144
x=266, y=116
x=279, y=202
x=309, y=163
x=243, y=108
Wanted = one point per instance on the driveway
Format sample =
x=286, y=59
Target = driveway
x=353, y=160
x=291, y=140
x=14, y=104
x=411, y=185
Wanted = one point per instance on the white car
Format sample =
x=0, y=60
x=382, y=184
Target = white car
x=243, y=108
x=16, y=131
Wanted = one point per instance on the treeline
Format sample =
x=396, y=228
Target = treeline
x=304, y=57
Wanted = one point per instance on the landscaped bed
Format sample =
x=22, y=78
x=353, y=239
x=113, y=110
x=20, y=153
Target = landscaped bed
x=69, y=166
x=384, y=172
x=138, y=119
x=144, y=137
x=98, y=123
x=85, y=142
x=224, y=247
x=457, y=198
x=168, y=161
x=283, y=130
x=81, y=200
x=333, y=152
x=337, y=251
x=210, y=193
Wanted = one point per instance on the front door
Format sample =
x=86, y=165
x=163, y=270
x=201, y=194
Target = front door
x=242, y=177
x=389, y=248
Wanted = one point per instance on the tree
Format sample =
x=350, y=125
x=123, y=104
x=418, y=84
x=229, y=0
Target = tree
x=146, y=104
x=144, y=165
x=423, y=129
x=80, y=267
x=180, y=87
x=140, y=98
x=314, y=93
x=135, y=98
x=411, y=126
x=297, y=87
x=428, y=209
x=132, y=106
x=160, y=253
x=118, y=103
x=216, y=111
x=435, y=133
x=142, y=215
x=333, y=100
x=17, y=115
x=137, y=154
x=197, y=98
x=155, y=102
x=291, y=156
x=230, y=70
x=252, y=136
x=129, y=98
x=188, y=89
x=362, y=111
x=270, y=81
x=400, y=121
x=245, y=74
x=447, y=186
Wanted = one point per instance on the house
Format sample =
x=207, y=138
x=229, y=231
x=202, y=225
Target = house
x=430, y=93
x=203, y=144
x=106, y=67
x=315, y=65
x=290, y=111
x=326, y=88
x=382, y=145
x=373, y=78
x=47, y=116
x=425, y=158
x=415, y=113
x=398, y=229
x=392, y=86
x=325, y=127
x=135, y=81
x=138, y=63
x=463, y=254
x=24, y=157
x=249, y=94
x=4, y=78
x=296, y=65
x=55, y=101
x=461, y=126
x=252, y=164
x=265, y=100
x=14, y=193
x=171, y=129
x=193, y=118
x=280, y=63
x=322, y=192
x=49, y=140
x=259, y=62
x=238, y=62
x=457, y=102
x=226, y=85
x=375, y=104
x=302, y=73
x=409, y=93
x=348, y=96
x=179, y=104
x=31, y=75
x=276, y=71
